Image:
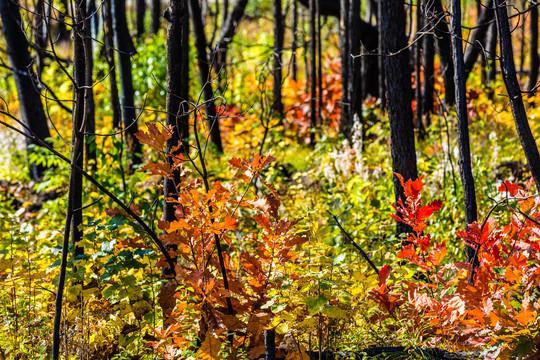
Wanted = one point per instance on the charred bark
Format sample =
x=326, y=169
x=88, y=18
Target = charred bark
x=533, y=53
x=32, y=112
x=478, y=37
x=109, y=56
x=279, y=28
x=155, y=13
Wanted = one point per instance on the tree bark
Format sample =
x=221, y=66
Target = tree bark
x=227, y=33
x=467, y=179
x=279, y=28
x=90, y=123
x=437, y=17
x=345, y=49
x=396, y=64
x=491, y=49
x=533, y=53
x=204, y=74
x=478, y=36
x=125, y=49
x=418, y=67
x=429, y=76
x=31, y=108
x=109, y=56
x=313, y=69
x=355, y=84
x=380, y=62
x=294, y=42
x=141, y=13
x=40, y=36
x=156, y=16
x=514, y=92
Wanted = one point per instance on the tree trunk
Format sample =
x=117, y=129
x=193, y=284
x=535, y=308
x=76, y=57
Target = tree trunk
x=491, y=49
x=313, y=69
x=514, y=92
x=90, y=123
x=294, y=42
x=418, y=68
x=177, y=109
x=533, y=53
x=156, y=16
x=40, y=36
x=204, y=75
x=63, y=32
x=469, y=194
x=396, y=66
x=32, y=112
x=478, y=36
x=437, y=17
x=429, y=76
x=141, y=13
x=380, y=63
x=125, y=49
x=227, y=33
x=279, y=28
x=345, y=49
x=109, y=56
x=355, y=67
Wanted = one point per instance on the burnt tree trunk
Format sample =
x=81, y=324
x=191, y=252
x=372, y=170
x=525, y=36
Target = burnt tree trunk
x=227, y=33
x=437, y=17
x=396, y=64
x=125, y=49
x=279, y=28
x=418, y=68
x=345, y=49
x=491, y=48
x=469, y=194
x=478, y=36
x=109, y=56
x=533, y=53
x=90, y=118
x=380, y=63
x=40, y=36
x=204, y=74
x=355, y=67
x=141, y=13
x=429, y=76
x=514, y=92
x=313, y=68
x=32, y=112
x=155, y=13
x=294, y=40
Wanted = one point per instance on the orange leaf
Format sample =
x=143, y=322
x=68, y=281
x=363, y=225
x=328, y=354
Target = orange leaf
x=384, y=273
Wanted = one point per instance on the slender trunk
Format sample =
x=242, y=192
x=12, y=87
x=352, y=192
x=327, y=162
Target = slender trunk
x=125, y=49
x=345, y=49
x=109, y=56
x=396, y=64
x=491, y=49
x=279, y=28
x=355, y=67
x=469, y=194
x=418, y=65
x=294, y=42
x=522, y=40
x=177, y=112
x=32, y=112
x=319, y=62
x=313, y=69
x=90, y=123
x=63, y=32
x=156, y=16
x=226, y=35
x=508, y=70
x=437, y=16
x=40, y=36
x=478, y=36
x=382, y=80
x=429, y=76
x=533, y=53
x=74, y=206
x=204, y=75
x=141, y=13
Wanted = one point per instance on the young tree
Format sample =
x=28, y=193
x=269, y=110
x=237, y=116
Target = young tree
x=108, y=48
x=345, y=49
x=533, y=51
x=156, y=16
x=469, y=194
x=31, y=108
x=141, y=13
x=478, y=36
x=279, y=33
x=396, y=64
x=511, y=83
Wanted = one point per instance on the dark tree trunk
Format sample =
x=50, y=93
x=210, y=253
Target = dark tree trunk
x=156, y=16
x=380, y=63
x=522, y=40
x=469, y=194
x=177, y=109
x=141, y=13
x=396, y=64
x=514, y=92
x=294, y=42
x=345, y=49
x=437, y=17
x=74, y=205
x=478, y=36
x=40, y=36
x=279, y=28
x=32, y=112
x=313, y=68
x=355, y=83
x=429, y=75
x=491, y=49
x=418, y=68
x=63, y=32
x=90, y=122
x=533, y=51
x=109, y=56
x=319, y=62
x=204, y=74
x=227, y=33
x=125, y=49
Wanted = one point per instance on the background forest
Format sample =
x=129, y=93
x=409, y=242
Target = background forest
x=215, y=179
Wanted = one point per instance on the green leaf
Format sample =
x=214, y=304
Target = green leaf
x=316, y=304
x=334, y=312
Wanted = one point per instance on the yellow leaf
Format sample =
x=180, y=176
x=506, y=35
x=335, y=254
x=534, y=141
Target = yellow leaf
x=210, y=348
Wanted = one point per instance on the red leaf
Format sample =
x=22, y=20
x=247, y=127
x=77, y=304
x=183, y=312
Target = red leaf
x=384, y=273
x=509, y=187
